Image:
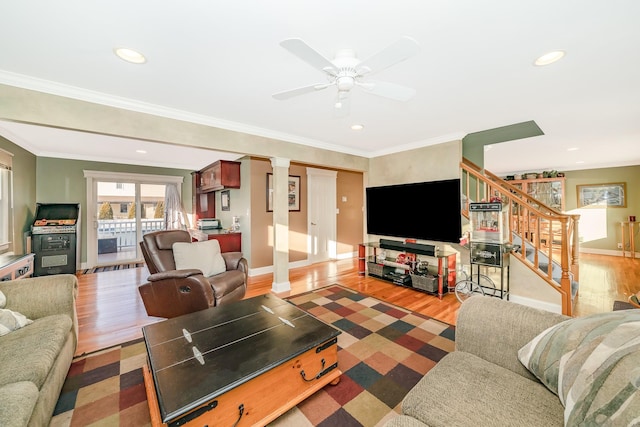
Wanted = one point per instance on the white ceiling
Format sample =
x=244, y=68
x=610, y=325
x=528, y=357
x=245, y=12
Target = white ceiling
x=221, y=62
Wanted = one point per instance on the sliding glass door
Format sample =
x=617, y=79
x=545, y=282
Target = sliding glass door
x=121, y=209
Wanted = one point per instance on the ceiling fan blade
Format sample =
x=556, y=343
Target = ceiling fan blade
x=305, y=52
x=388, y=90
x=396, y=52
x=300, y=91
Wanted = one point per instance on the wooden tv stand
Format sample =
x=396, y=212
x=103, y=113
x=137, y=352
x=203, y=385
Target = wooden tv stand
x=445, y=262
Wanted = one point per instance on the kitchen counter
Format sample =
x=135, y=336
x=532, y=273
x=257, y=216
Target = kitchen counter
x=229, y=241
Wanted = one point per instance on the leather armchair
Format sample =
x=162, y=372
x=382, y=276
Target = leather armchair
x=170, y=292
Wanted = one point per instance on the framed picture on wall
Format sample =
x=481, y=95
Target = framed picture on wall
x=293, y=190
x=611, y=195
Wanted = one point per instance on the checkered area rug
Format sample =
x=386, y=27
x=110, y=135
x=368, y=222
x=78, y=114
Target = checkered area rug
x=383, y=351
x=105, y=388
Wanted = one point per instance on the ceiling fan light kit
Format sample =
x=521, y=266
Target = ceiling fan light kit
x=346, y=71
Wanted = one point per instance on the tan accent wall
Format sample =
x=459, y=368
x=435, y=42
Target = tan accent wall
x=432, y=163
x=262, y=221
x=350, y=219
x=599, y=227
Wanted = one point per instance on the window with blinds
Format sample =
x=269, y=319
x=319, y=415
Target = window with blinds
x=6, y=203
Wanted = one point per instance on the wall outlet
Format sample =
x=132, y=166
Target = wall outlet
x=619, y=245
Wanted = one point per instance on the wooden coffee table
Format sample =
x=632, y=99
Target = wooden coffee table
x=247, y=362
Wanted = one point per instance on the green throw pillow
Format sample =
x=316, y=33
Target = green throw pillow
x=593, y=364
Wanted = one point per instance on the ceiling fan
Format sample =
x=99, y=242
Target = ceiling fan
x=346, y=71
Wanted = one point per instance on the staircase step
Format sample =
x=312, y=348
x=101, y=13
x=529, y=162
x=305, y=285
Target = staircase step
x=544, y=265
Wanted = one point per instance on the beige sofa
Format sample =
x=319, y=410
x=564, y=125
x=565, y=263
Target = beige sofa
x=35, y=359
x=484, y=383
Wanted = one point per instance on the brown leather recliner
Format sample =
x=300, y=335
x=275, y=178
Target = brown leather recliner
x=170, y=292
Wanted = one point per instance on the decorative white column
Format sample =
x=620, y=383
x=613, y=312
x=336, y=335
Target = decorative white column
x=280, y=225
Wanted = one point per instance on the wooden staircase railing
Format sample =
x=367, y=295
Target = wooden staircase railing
x=544, y=234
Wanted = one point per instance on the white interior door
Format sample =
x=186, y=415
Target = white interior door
x=321, y=207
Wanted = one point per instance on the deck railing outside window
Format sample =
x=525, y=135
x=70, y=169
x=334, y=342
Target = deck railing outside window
x=124, y=230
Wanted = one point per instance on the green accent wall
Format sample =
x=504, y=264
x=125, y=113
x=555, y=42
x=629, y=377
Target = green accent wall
x=473, y=144
x=24, y=192
x=599, y=227
x=63, y=181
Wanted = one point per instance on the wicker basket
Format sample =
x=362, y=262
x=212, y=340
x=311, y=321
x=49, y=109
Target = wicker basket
x=425, y=282
x=375, y=269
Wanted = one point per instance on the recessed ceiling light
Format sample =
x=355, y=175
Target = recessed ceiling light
x=357, y=127
x=579, y=162
x=573, y=149
x=549, y=58
x=141, y=151
x=130, y=55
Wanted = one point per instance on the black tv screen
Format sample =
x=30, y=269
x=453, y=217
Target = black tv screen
x=423, y=210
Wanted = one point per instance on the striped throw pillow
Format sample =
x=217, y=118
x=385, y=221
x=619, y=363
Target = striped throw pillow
x=593, y=364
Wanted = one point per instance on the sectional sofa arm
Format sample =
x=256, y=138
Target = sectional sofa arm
x=37, y=297
x=495, y=330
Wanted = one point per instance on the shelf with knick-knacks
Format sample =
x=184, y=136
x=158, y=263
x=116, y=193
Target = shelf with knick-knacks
x=549, y=191
x=397, y=261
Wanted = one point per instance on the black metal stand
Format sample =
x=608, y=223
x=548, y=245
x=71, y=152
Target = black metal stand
x=491, y=255
x=503, y=291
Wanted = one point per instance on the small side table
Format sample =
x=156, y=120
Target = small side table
x=630, y=226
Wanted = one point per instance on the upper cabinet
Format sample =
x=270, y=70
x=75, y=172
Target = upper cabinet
x=218, y=176
x=549, y=191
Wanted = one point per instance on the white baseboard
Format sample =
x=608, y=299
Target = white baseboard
x=347, y=255
x=610, y=252
x=281, y=287
x=269, y=268
x=554, y=308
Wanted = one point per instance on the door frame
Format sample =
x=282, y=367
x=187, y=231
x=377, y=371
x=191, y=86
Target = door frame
x=92, y=177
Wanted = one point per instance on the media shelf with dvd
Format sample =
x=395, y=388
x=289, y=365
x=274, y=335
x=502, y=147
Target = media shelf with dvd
x=419, y=266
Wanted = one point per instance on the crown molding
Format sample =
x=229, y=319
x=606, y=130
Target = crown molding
x=73, y=92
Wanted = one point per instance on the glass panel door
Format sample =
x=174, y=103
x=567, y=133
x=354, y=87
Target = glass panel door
x=116, y=223
x=121, y=223
x=152, y=212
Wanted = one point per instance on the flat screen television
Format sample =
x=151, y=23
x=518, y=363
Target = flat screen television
x=424, y=210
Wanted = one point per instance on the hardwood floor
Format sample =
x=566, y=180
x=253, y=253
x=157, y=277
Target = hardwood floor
x=110, y=310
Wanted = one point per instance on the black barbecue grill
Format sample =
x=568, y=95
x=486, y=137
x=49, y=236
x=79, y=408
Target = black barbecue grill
x=54, y=238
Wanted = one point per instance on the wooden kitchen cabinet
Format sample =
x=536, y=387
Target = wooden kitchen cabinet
x=219, y=176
